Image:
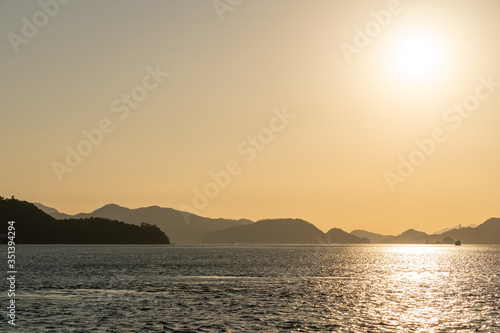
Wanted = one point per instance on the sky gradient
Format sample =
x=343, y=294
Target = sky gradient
x=230, y=84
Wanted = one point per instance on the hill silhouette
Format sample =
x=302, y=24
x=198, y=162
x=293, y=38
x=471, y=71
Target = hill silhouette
x=442, y=231
x=182, y=227
x=191, y=228
x=280, y=231
x=410, y=236
x=339, y=236
x=373, y=237
x=486, y=233
x=33, y=226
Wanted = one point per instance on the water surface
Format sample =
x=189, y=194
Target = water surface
x=80, y=288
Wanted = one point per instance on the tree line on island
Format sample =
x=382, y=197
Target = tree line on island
x=33, y=226
x=151, y=225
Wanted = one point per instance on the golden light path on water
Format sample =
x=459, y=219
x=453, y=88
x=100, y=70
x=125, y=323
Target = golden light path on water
x=423, y=288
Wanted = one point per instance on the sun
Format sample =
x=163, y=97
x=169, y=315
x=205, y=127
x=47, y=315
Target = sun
x=413, y=65
x=416, y=56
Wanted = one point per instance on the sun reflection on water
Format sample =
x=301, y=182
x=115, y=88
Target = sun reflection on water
x=421, y=287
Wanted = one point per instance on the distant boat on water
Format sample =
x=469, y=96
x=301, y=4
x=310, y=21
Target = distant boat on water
x=458, y=243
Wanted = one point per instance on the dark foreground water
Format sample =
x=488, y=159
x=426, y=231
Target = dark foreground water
x=256, y=288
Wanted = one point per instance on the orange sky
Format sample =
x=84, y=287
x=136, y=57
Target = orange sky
x=258, y=107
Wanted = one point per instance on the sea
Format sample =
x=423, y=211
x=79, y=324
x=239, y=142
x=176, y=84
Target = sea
x=255, y=288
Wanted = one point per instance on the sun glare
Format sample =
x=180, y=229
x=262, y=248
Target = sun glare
x=417, y=57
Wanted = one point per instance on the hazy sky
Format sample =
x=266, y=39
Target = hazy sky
x=352, y=105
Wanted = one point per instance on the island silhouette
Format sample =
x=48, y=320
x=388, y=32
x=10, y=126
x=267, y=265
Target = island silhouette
x=33, y=226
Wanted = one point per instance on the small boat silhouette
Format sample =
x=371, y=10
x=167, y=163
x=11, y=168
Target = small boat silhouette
x=458, y=243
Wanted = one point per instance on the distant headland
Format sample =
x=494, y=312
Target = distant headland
x=33, y=226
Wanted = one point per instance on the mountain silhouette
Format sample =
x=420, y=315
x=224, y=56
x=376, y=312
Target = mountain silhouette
x=442, y=231
x=190, y=229
x=45, y=209
x=33, y=226
x=339, y=236
x=373, y=237
x=181, y=227
x=486, y=233
x=411, y=236
x=280, y=231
